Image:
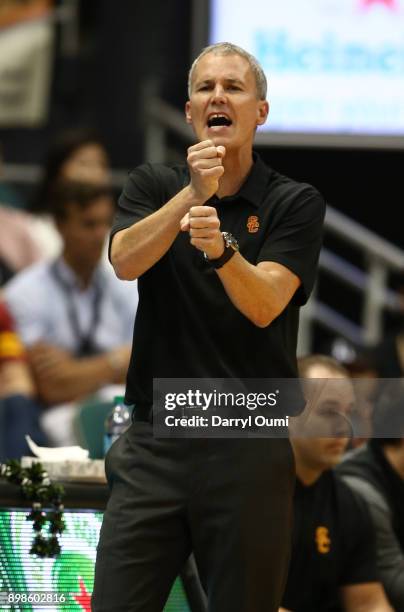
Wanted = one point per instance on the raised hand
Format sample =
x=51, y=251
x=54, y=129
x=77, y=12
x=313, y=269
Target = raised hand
x=206, y=168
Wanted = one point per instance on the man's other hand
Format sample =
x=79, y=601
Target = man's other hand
x=45, y=359
x=203, y=226
x=206, y=168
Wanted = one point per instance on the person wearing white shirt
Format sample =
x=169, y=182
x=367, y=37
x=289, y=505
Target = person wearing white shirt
x=74, y=316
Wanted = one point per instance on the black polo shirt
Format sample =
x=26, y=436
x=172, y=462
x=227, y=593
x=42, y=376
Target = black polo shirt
x=333, y=545
x=186, y=326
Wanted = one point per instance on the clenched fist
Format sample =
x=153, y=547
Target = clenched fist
x=205, y=167
x=203, y=226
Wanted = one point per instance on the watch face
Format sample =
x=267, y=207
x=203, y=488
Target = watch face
x=230, y=241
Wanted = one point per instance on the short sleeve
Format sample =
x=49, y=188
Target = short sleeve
x=125, y=298
x=358, y=564
x=140, y=198
x=24, y=297
x=390, y=556
x=295, y=239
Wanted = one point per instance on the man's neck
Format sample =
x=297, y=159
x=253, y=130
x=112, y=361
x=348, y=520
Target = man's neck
x=395, y=456
x=306, y=474
x=84, y=274
x=237, y=167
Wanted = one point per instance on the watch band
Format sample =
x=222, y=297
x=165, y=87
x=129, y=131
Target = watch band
x=230, y=247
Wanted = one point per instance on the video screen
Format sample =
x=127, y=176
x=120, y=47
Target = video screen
x=335, y=68
x=68, y=578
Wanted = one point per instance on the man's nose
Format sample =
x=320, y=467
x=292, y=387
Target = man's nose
x=100, y=233
x=219, y=94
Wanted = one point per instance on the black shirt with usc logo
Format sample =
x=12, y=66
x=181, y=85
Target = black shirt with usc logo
x=333, y=545
x=186, y=326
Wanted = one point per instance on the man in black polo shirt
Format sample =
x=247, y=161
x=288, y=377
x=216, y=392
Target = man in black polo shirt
x=333, y=563
x=225, y=250
x=375, y=471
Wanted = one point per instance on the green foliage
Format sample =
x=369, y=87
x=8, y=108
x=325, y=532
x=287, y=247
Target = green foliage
x=47, y=508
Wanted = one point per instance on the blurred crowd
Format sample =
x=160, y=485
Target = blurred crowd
x=65, y=333
x=348, y=539
x=62, y=305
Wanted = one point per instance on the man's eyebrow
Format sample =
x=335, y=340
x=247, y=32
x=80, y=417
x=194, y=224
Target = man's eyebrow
x=329, y=403
x=204, y=82
x=234, y=80
x=209, y=81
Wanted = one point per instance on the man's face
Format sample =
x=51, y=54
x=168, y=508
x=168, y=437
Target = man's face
x=331, y=411
x=224, y=86
x=84, y=230
x=88, y=163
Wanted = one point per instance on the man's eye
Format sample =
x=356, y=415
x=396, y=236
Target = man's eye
x=329, y=413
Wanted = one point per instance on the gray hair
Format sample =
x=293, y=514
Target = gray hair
x=226, y=48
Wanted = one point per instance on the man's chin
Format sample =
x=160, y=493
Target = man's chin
x=333, y=459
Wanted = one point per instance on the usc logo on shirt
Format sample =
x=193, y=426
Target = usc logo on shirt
x=323, y=540
x=253, y=224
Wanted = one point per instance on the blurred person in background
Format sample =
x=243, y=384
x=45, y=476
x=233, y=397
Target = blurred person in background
x=75, y=155
x=74, y=316
x=376, y=472
x=362, y=371
x=19, y=409
x=387, y=357
x=18, y=247
x=8, y=195
x=333, y=561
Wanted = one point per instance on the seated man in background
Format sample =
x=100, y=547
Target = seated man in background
x=19, y=411
x=74, y=316
x=376, y=472
x=18, y=248
x=333, y=565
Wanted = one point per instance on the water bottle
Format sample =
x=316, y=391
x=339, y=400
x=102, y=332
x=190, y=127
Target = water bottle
x=117, y=421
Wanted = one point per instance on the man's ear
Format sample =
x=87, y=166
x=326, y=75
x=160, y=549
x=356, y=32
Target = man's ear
x=262, y=112
x=188, y=116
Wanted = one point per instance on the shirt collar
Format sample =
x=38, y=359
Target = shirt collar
x=254, y=187
x=302, y=488
x=256, y=183
x=68, y=276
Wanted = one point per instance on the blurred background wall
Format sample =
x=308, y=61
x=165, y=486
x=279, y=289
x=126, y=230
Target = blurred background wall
x=114, y=55
x=122, y=46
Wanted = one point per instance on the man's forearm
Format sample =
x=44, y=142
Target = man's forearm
x=77, y=378
x=260, y=294
x=365, y=597
x=381, y=606
x=139, y=247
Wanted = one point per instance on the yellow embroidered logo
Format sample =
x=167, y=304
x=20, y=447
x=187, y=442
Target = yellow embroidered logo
x=253, y=224
x=323, y=540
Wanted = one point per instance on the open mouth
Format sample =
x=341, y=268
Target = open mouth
x=219, y=120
